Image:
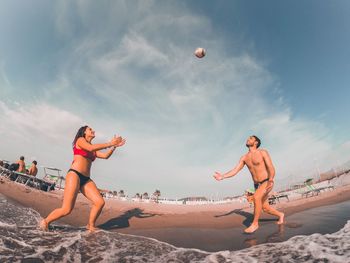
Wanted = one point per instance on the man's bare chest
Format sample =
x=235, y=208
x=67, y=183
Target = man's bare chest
x=254, y=160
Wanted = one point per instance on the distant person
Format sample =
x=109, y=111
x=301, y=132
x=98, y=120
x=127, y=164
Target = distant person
x=22, y=165
x=6, y=165
x=13, y=167
x=33, y=170
x=262, y=170
x=1, y=163
x=78, y=176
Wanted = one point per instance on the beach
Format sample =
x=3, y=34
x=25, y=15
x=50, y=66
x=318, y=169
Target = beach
x=211, y=227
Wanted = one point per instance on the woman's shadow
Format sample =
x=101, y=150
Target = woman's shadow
x=122, y=221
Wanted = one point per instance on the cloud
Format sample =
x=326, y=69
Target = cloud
x=38, y=131
x=130, y=69
x=38, y=119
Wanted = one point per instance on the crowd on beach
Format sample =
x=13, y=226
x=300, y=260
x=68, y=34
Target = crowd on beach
x=20, y=166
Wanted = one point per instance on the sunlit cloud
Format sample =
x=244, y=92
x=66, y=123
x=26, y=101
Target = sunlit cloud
x=132, y=71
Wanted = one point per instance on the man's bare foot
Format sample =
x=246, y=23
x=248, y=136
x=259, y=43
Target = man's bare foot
x=281, y=219
x=251, y=229
x=43, y=225
x=92, y=228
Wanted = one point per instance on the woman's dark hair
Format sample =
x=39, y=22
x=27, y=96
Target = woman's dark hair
x=80, y=133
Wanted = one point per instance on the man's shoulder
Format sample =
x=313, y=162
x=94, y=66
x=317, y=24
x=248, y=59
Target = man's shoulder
x=244, y=156
x=264, y=152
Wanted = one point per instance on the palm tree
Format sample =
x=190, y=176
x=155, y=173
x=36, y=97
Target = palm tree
x=156, y=194
x=145, y=195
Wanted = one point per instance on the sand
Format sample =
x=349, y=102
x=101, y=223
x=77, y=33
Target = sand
x=181, y=225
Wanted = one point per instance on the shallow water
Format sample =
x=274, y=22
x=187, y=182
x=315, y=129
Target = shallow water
x=323, y=220
x=21, y=241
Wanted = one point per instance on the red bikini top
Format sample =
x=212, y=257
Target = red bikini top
x=86, y=154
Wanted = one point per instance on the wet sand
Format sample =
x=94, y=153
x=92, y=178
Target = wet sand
x=323, y=220
x=208, y=227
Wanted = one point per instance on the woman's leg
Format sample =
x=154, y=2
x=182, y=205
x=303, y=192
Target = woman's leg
x=71, y=191
x=93, y=194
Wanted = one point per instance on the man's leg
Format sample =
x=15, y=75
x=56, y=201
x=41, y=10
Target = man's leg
x=258, y=204
x=272, y=211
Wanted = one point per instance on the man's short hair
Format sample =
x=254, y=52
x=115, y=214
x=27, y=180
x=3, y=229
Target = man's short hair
x=258, y=140
x=21, y=158
x=35, y=162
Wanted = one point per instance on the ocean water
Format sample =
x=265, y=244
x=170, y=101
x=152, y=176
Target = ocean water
x=22, y=241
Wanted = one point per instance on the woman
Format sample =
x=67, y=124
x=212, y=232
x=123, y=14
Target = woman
x=78, y=176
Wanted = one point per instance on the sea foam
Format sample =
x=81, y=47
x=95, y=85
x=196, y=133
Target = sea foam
x=20, y=239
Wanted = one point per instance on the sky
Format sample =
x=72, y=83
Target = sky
x=276, y=69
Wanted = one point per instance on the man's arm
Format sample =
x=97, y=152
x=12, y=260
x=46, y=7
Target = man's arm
x=31, y=170
x=269, y=166
x=218, y=176
x=270, y=169
x=21, y=166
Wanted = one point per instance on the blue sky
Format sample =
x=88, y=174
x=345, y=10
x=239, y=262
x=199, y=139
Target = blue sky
x=277, y=69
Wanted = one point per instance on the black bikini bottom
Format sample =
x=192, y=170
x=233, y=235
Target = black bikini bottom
x=83, y=179
x=256, y=186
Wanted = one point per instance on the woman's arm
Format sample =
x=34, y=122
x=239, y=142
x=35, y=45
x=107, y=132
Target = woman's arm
x=83, y=144
x=106, y=155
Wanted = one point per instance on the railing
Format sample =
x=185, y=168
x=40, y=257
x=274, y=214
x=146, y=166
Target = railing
x=27, y=180
x=53, y=175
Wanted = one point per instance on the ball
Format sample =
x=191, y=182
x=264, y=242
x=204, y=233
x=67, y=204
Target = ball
x=200, y=52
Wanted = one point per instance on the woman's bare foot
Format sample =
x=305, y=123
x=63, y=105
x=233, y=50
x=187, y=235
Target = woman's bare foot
x=251, y=229
x=281, y=219
x=92, y=228
x=43, y=225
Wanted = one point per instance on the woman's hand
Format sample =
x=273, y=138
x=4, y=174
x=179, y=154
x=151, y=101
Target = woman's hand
x=114, y=142
x=117, y=141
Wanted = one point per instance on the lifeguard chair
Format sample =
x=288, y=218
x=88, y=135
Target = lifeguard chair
x=53, y=175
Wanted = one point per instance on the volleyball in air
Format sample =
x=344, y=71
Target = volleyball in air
x=200, y=52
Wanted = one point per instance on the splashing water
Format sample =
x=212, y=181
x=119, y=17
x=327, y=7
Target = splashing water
x=22, y=241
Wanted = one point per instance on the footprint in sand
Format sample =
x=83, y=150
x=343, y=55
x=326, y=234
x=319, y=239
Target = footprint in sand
x=293, y=225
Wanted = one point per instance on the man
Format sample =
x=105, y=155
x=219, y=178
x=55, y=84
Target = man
x=33, y=170
x=21, y=165
x=262, y=170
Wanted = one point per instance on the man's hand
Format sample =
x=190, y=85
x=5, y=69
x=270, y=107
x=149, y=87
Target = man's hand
x=218, y=176
x=269, y=186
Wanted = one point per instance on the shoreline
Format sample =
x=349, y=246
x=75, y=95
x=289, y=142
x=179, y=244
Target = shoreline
x=138, y=215
x=212, y=227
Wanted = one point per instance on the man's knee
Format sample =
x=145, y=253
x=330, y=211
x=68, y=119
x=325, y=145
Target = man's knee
x=257, y=198
x=266, y=208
